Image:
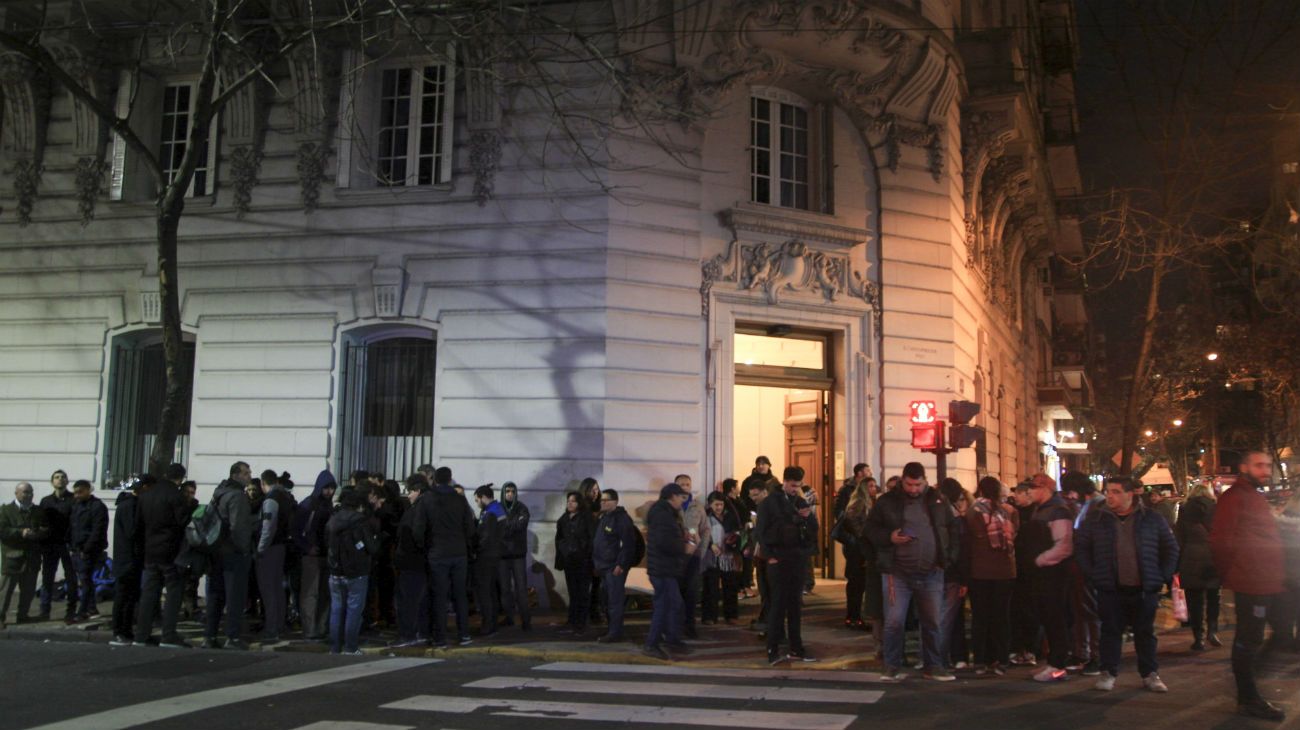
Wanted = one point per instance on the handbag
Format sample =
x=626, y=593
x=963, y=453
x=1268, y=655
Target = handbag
x=840, y=532
x=1179, y=600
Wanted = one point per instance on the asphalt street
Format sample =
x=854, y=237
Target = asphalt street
x=87, y=686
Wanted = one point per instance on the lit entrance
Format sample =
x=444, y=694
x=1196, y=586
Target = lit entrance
x=782, y=410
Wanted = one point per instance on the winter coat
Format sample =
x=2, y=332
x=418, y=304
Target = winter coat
x=1096, y=547
x=276, y=518
x=443, y=523
x=766, y=481
x=488, y=542
x=665, y=541
x=236, y=514
x=409, y=554
x=695, y=516
x=574, y=535
x=984, y=561
x=58, y=511
x=887, y=516
x=1195, y=561
x=1245, y=543
x=783, y=534
x=128, y=541
x=311, y=516
x=855, y=523
x=615, y=543
x=164, y=512
x=514, y=533
x=20, y=554
x=88, y=527
x=352, y=544
x=730, y=545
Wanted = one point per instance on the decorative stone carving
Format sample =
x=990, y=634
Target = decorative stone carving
x=245, y=165
x=312, y=157
x=484, y=157
x=779, y=269
x=26, y=94
x=27, y=178
x=314, y=71
x=150, y=306
x=90, y=172
x=389, y=285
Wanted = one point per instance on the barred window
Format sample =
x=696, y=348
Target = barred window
x=386, y=405
x=136, y=388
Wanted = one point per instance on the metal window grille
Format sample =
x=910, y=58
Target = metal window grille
x=137, y=383
x=386, y=406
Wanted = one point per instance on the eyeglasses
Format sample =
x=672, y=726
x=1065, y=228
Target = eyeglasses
x=607, y=499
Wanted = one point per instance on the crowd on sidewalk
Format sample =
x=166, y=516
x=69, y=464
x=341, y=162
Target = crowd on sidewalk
x=1054, y=578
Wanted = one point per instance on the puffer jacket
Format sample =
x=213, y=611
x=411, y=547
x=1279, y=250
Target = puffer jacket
x=128, y=540
x=887, y=516
x=88, y=527
x=164, y=511
x=615, y=542
x=1095, y=547
x=575, y=534
x=1195, y=561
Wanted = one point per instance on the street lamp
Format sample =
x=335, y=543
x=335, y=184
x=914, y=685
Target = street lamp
x=1212, y=356
x=1149, y=433
x=1177, y=422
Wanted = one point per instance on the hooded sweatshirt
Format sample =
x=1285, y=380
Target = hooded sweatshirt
x=311, y=516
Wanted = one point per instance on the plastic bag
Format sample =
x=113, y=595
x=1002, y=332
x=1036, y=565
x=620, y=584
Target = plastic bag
x=1179, y=600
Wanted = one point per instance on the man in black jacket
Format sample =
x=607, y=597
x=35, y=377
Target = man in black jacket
x=272, y=548
x=1127, y=553
x=228, y=575
x=163, y=513
x=667, y=550
x=412, y=572
x=87, y=541
x=487, y=557
x=915, y=536
x=22, y=529
x=310, y=518
x=444, y=527
x=54, y=551
x=612, y=553
x=128, y=561
x=513, y=576
x=787, y=531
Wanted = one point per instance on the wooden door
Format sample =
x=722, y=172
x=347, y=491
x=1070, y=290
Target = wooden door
x=806, y=441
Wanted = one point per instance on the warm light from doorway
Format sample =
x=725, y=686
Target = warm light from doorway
x=1212, y=356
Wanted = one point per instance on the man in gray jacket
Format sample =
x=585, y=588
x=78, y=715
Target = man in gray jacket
x=695, y=517
x=228, y=577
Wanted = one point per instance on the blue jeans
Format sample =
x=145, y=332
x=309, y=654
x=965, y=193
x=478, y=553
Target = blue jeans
x=899, y=591
x=666, y=621
x=346, y=595
x=85, y=567
x=1135, y=609
x=952, y=626
x=615, y=598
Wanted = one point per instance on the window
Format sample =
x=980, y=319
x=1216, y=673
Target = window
x=397, y=123
x=1290, y=168
x=386, y=405
x=789, y=156
x=135, y=396
x=177, y=112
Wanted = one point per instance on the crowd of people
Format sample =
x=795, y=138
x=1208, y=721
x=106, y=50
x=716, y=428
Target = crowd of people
x=1054, y=578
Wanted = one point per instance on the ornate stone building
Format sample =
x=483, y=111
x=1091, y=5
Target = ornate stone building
x=383, y=262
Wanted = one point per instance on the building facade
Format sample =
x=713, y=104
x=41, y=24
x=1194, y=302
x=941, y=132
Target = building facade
x=390, y=259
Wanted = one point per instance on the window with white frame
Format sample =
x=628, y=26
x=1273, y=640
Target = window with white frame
x=177, y=117
x=398, y=121
x=789, y=155
x=161, y=113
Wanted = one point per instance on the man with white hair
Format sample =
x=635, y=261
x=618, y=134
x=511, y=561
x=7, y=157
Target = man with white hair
x=22, y=529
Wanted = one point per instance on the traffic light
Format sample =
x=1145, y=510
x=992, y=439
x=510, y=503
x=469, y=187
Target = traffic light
x=927, y=431
x=962, y=434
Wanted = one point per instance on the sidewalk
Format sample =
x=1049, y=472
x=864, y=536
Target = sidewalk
x=720, y=645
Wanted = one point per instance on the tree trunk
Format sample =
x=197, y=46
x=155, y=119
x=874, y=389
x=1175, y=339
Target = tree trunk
x=1128, y=433
x=176, y=384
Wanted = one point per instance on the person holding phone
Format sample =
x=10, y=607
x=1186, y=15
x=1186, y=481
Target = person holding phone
x=916, y=540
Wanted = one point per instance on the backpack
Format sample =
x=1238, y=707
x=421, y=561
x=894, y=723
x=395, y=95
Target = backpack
x=204, y=531
x=638, y=554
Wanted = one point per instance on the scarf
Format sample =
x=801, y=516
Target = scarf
x=995, y=523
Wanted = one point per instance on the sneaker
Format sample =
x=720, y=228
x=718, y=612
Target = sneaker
x=406, y=644
x=1198, y=645
x=892, y=674
x=1213, y=640
x=1105, y=683
x=656, y=652
x=1050, y=673
x=775, y=657
x=119, y=640
x=210, y=644
x=237, y=644
x=802, y=656
x=1262, y=709
x=1092, y=668
x=998, y=670
x=465, y=640
x=961, y=665
x=939, y=674
x=981, y=670
x=1153, y=682
x=1074, y=665
x=678, y=647
x=1024, y=659
x=73, y=620
x=607, y=639
x=175, y=642
x=358, y=652
x=439, y=644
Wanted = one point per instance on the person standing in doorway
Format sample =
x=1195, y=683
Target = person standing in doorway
x=1247, y=549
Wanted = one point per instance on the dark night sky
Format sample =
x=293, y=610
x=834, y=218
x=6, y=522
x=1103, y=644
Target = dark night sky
x=1226, y=73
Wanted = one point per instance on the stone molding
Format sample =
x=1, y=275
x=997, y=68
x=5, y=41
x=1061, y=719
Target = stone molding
x=792, y=223
x=794, y=267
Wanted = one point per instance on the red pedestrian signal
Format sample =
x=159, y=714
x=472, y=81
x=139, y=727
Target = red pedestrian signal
x=923, y=411
x=928, y=436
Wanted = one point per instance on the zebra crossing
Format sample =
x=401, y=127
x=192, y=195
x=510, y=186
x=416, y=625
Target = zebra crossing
x=639, y=695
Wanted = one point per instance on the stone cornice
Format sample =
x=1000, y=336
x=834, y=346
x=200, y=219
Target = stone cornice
x=787, y=223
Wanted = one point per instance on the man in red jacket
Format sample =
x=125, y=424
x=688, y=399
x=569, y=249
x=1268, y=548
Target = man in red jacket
x=1248, y=554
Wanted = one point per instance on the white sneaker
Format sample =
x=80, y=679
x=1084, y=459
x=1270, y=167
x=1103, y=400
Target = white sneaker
x=1050, y=673
x=1153, y=683
x=1105, y=683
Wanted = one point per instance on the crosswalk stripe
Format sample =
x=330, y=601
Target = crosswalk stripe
x=169, y=707
x=678, y=670
x=749, y=719
x=679, y=689
x=351, y=725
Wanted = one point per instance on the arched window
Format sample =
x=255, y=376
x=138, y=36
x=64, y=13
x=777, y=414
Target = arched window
x=386, y=402
x=136, y=383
